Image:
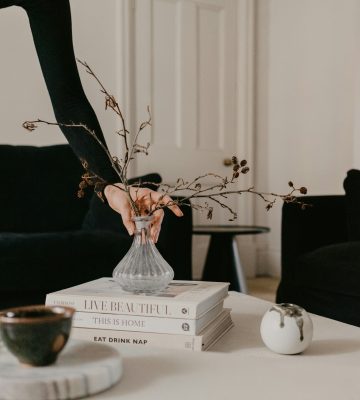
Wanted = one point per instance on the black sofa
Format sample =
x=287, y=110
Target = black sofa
x=50, y=239
x=321, y=254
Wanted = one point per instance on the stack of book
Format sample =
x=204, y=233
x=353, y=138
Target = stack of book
x=187, y=315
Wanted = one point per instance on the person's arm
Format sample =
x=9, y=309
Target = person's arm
x=50, y=23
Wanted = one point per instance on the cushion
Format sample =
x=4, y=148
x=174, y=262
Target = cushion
x=352, y=199
x=43, y=262
x=326, y=282
x=334, y=268
x=39, y=189
x=341, y=307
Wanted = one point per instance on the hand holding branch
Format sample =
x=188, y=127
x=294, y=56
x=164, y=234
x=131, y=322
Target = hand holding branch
x=146, y=200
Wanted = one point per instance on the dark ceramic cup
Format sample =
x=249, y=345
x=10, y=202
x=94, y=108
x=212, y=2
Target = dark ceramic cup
x=35, y=335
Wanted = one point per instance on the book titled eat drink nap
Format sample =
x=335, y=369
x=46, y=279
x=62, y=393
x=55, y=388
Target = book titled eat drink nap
x=181, y=299
x=207, y=337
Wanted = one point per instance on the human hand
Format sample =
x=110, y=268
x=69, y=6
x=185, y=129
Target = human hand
x=145, y=199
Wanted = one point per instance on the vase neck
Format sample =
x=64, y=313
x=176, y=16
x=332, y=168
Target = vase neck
x=142, y=228
x=142, y=223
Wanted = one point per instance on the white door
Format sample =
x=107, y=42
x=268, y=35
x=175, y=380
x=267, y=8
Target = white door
x=186, y=71
x=192, y=64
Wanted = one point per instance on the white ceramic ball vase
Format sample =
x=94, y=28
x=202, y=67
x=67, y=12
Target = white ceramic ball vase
x=286, y=329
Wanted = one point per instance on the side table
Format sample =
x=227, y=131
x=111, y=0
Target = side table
x=223, y=262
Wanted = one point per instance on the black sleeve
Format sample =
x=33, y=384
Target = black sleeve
x=50, y=23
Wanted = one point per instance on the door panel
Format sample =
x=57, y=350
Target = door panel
x=185, y=70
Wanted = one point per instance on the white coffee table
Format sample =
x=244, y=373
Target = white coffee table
x=240, y=367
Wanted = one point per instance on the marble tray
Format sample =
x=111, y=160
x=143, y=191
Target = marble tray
x=82, y=369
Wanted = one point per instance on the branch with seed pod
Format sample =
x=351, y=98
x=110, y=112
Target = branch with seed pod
x=196, y=189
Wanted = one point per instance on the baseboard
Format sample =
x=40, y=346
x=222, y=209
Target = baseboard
x=269, y=262
x=248, y=256
x=200, y=246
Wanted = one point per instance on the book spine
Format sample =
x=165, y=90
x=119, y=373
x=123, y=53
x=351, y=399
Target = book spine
x=139, y=339
x=141, y=307
x=145, y=324
x=135, y=323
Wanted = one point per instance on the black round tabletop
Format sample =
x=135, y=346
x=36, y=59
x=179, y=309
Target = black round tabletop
x=229, y=229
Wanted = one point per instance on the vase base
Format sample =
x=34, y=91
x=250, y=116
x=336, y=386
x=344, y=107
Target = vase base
x=141, y=291
x=141, y=288
x=143, y=269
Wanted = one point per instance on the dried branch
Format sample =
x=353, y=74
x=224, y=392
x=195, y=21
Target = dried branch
x=110, y=101
x=195, y=189
x=114, y=161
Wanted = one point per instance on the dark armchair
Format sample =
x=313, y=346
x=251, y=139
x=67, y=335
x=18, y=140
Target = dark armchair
x=321, y=254
x=50, y=239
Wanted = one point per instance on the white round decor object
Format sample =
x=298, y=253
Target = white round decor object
x=286, y=329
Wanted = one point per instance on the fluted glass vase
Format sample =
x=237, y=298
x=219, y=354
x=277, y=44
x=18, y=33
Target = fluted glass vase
x=143, y=269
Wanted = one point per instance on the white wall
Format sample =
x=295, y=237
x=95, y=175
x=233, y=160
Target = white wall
x=23, y=92
x=307, y=92
x=306, y=126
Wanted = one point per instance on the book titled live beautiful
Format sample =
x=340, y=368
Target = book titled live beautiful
x=181, y=299
x=207, y=337
x=142, y=323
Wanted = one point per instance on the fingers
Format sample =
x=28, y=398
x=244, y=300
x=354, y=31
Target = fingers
x=126, y=217
x=156, y=225
x=164, y=200
x=146, y=200
x=118, y=201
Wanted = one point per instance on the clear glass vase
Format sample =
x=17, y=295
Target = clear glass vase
x=143, y=269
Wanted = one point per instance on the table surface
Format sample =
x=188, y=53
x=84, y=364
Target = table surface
x=229, y=229
x=240, y=366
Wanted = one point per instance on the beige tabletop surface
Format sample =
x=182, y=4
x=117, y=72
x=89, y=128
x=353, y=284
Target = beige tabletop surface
x=239, y=366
